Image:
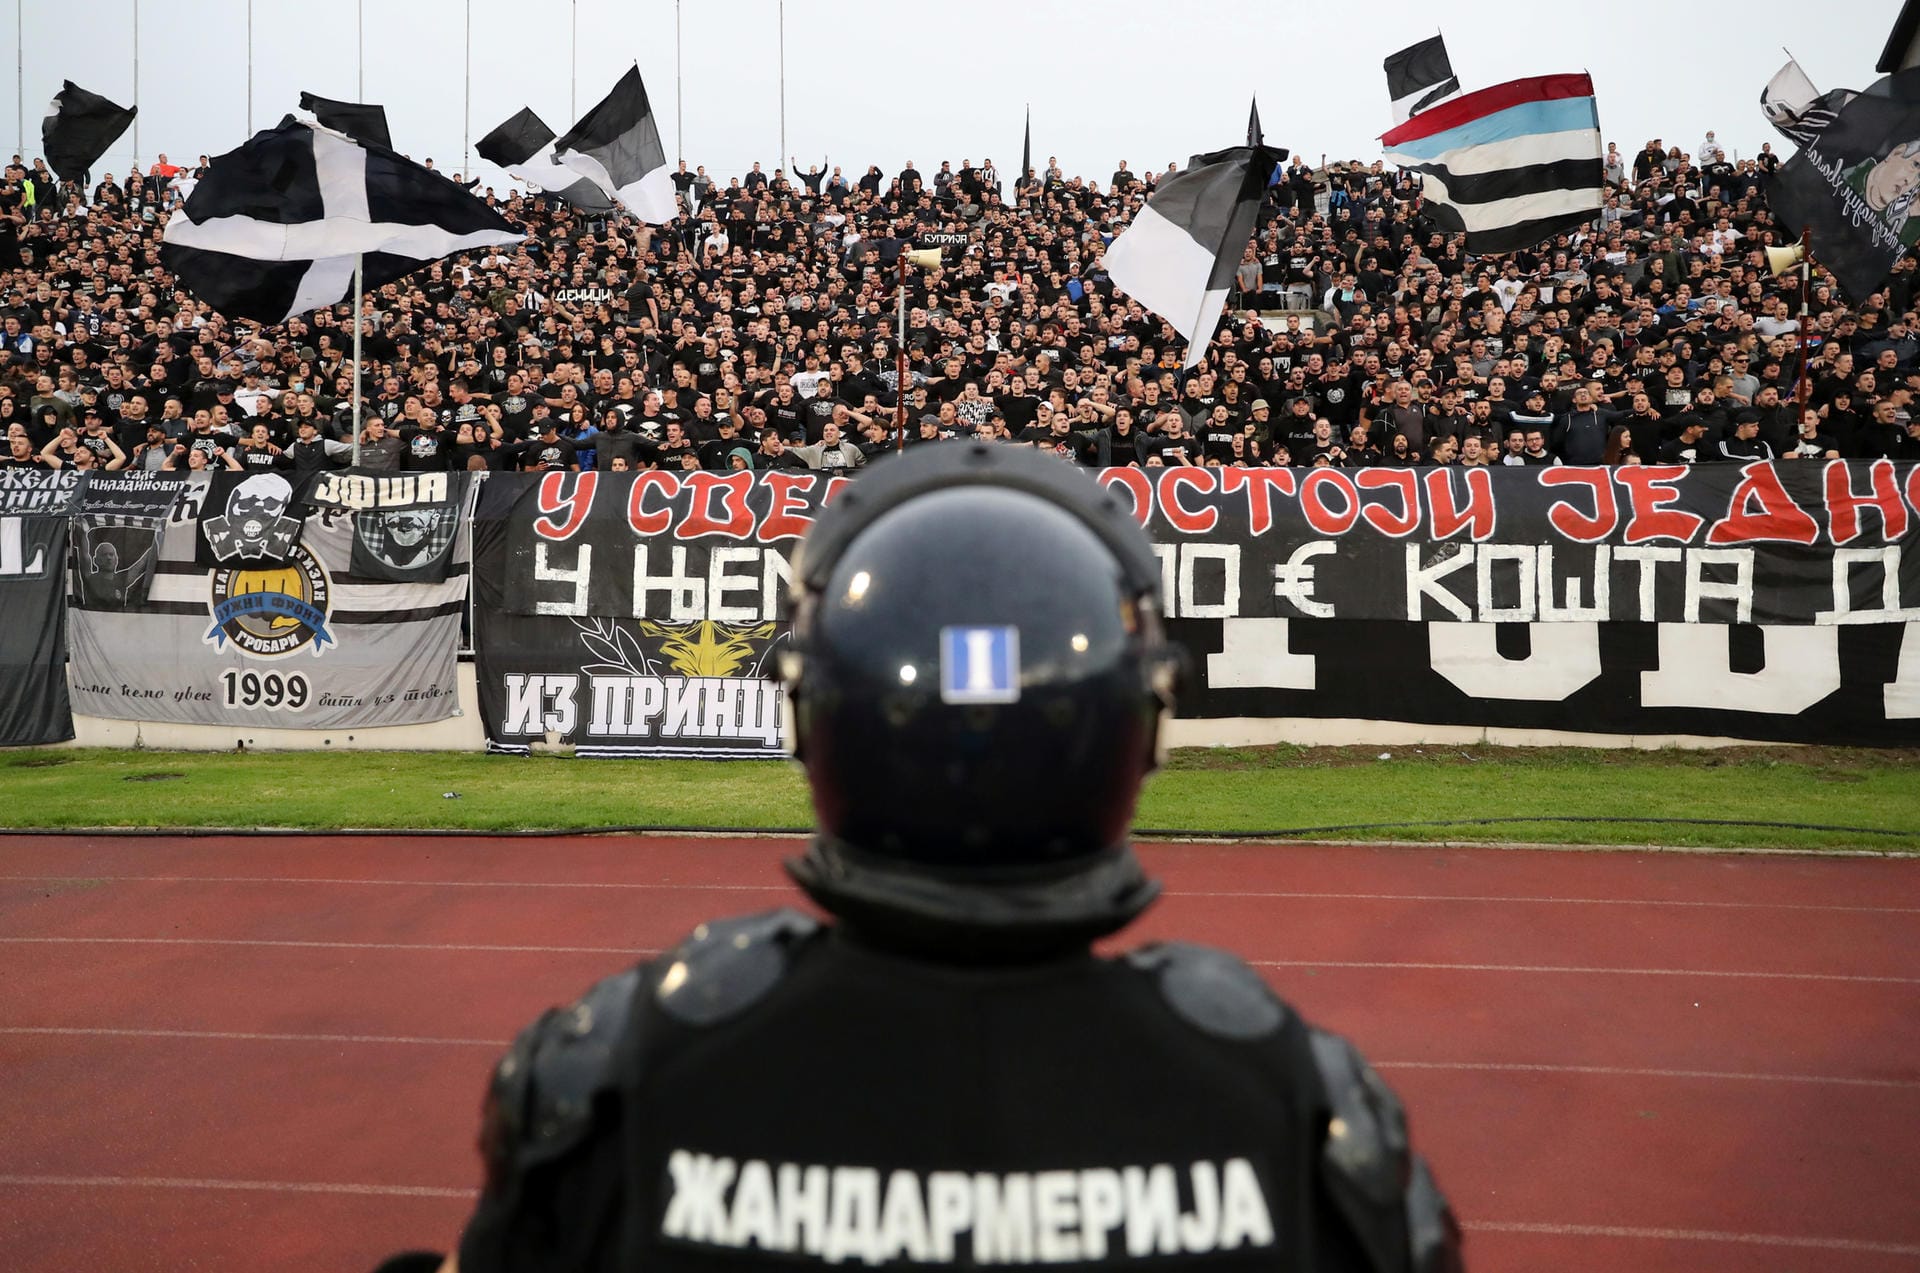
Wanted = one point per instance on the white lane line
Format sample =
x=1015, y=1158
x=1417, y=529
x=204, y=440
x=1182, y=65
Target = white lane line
x=1492, y=1067
x=1411, y=966
x=772, y=886
x=1556, y=901
x=89, y=1032
x=262, y=1186
x=1861, y=1245
x=778, y=887
x=642, y=951
x=332, y=945
x=1624, y=1071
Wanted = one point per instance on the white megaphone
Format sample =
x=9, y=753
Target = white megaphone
x=925, y=258
x=1786, y=260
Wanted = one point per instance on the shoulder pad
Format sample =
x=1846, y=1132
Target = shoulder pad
x=540, y=1103
x=726, y=966
x=1364, y=1162
x=1212, y=990
x=1432, y=1230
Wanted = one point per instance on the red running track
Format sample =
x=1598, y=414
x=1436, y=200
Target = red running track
x=219, y=1050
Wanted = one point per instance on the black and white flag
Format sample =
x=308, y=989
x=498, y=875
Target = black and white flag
x=274, y=228
x=1179, y=255
x=78, y=129
x=617, y=146
x=1419, y=76
x=523, y=145
x=1797, y=110
x=1856, y=186
x=362, y=121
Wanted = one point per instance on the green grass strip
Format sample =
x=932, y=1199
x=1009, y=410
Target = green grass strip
x=1218, y=792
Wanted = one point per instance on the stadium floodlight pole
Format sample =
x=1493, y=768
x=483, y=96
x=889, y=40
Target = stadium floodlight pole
x=359, y=312
x=466, y=108
x=783, y=85
x=679, y=111
x=136, y=79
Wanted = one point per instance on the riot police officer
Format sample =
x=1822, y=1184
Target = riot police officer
x=947, y=1075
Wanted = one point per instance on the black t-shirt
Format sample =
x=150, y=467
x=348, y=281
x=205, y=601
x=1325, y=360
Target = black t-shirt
x=544, y=454
x=815, y=416
x=427, y=449
x=257, y=459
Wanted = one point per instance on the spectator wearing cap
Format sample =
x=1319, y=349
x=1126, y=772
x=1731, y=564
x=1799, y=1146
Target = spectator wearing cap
x=1746, y=444
x=310, y=452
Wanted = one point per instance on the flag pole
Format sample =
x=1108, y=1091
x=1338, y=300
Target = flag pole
x=249, y=68
x=900, y=360
x=20, y=79
x=136, y=80
x=360, y=49
x=1806, y=285
x=573, y=62
x=679, y=111
x=466, y=108
x=359, y=310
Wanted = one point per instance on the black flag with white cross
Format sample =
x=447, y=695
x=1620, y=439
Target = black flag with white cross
x=274, y=228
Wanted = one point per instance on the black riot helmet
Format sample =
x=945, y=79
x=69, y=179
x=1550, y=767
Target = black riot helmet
x=977, y=674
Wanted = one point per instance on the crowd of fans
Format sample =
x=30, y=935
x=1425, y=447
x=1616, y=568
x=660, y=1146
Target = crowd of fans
x=758, y=331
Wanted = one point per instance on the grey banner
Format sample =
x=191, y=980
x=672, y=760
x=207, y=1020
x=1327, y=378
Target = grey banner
x=304, y=645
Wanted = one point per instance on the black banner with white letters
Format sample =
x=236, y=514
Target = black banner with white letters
x=34, y=707
x=689, y=679
x=1760, y=601
x=35, y=506
x=1856, y=686
x=1825, y=544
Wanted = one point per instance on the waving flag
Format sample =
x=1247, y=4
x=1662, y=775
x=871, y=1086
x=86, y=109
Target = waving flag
x=362, y=121
x=1179, y=255
x=78, y=129
x=274, y=228
x=523, y=145
x=1418, y=77
x=1798, y=110
x=1512, y=165
x=616, y=145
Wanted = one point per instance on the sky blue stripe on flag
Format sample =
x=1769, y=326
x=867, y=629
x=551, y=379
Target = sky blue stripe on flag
x=1562, y=115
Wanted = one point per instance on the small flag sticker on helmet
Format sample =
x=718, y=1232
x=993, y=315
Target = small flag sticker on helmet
x=979, y=665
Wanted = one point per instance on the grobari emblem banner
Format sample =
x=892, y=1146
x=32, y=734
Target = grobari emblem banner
x=280, y=633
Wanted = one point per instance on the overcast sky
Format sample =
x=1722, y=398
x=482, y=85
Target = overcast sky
x=884, y=81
